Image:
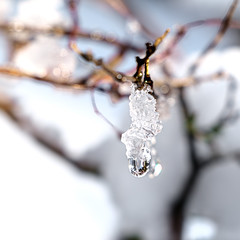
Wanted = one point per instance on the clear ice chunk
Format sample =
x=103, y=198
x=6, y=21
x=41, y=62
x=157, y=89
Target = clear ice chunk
x=137, y=167
x=145, y=126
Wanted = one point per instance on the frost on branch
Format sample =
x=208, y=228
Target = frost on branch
x=145, y=126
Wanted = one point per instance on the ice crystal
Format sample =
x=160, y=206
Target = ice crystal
x=145, y=126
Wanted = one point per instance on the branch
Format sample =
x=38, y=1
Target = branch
x=73, y=9
x=121, y=8
x=118, y=132
x=184, y=29
x=60, y=31
x=9, y=107
x=11, y=71
x=222, y=30
x=219, y=158
x=117, y=76
x=150, y=50
x=226, y=116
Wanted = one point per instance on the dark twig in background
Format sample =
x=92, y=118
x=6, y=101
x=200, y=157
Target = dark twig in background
x=8, y=106
x=196, y=163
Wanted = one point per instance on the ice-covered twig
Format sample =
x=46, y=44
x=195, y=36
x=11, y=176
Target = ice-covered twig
x=145, y=126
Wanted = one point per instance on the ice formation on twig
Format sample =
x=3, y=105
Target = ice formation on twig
x=139, y=138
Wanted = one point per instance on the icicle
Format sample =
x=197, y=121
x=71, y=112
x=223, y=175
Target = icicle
x=145, y=126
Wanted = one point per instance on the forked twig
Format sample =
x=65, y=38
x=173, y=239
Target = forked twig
x=150, y=50
x=118, y=76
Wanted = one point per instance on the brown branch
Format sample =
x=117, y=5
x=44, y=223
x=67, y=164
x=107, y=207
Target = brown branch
x=60, y=31
x=179, y=205
x=121, y=8
x=222, y=30
x=94, y=80
x=9, y=107
x=99, y=75
x=171, y=46
x=184, y=29
x=175, y=82
x=150, y=50
x=14, y=72
x=71, y=86
x=73, y=9
x=118, y=76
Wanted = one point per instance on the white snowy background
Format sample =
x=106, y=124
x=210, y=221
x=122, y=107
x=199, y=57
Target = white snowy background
x=43, y=197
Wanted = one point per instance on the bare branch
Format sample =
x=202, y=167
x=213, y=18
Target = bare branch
x=121, y=8
x=8, y=106
x=150, y=50
x=222, y=30
x=118, y=132
x=73, y=8
x=119, y=77
x=227, y=115
x=60, y=31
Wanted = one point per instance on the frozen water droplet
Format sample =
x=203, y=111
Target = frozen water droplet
x=138, y=168
x=158, y=169
x=141, y=135
x=155, y=169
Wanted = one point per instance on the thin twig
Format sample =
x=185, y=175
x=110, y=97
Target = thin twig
x=150, y=50
x=118, y=132
x=73, y=8
x=222, y=30
x=60, y=31
x=118, y=76
x=121, y=8
x=226, y=116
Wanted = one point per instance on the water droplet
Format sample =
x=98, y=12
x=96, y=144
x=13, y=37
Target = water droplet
x=96, y=35
x=141, y=135
x=119, y=76
x=155, y=168
x=138, y=168
x=165, y=89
